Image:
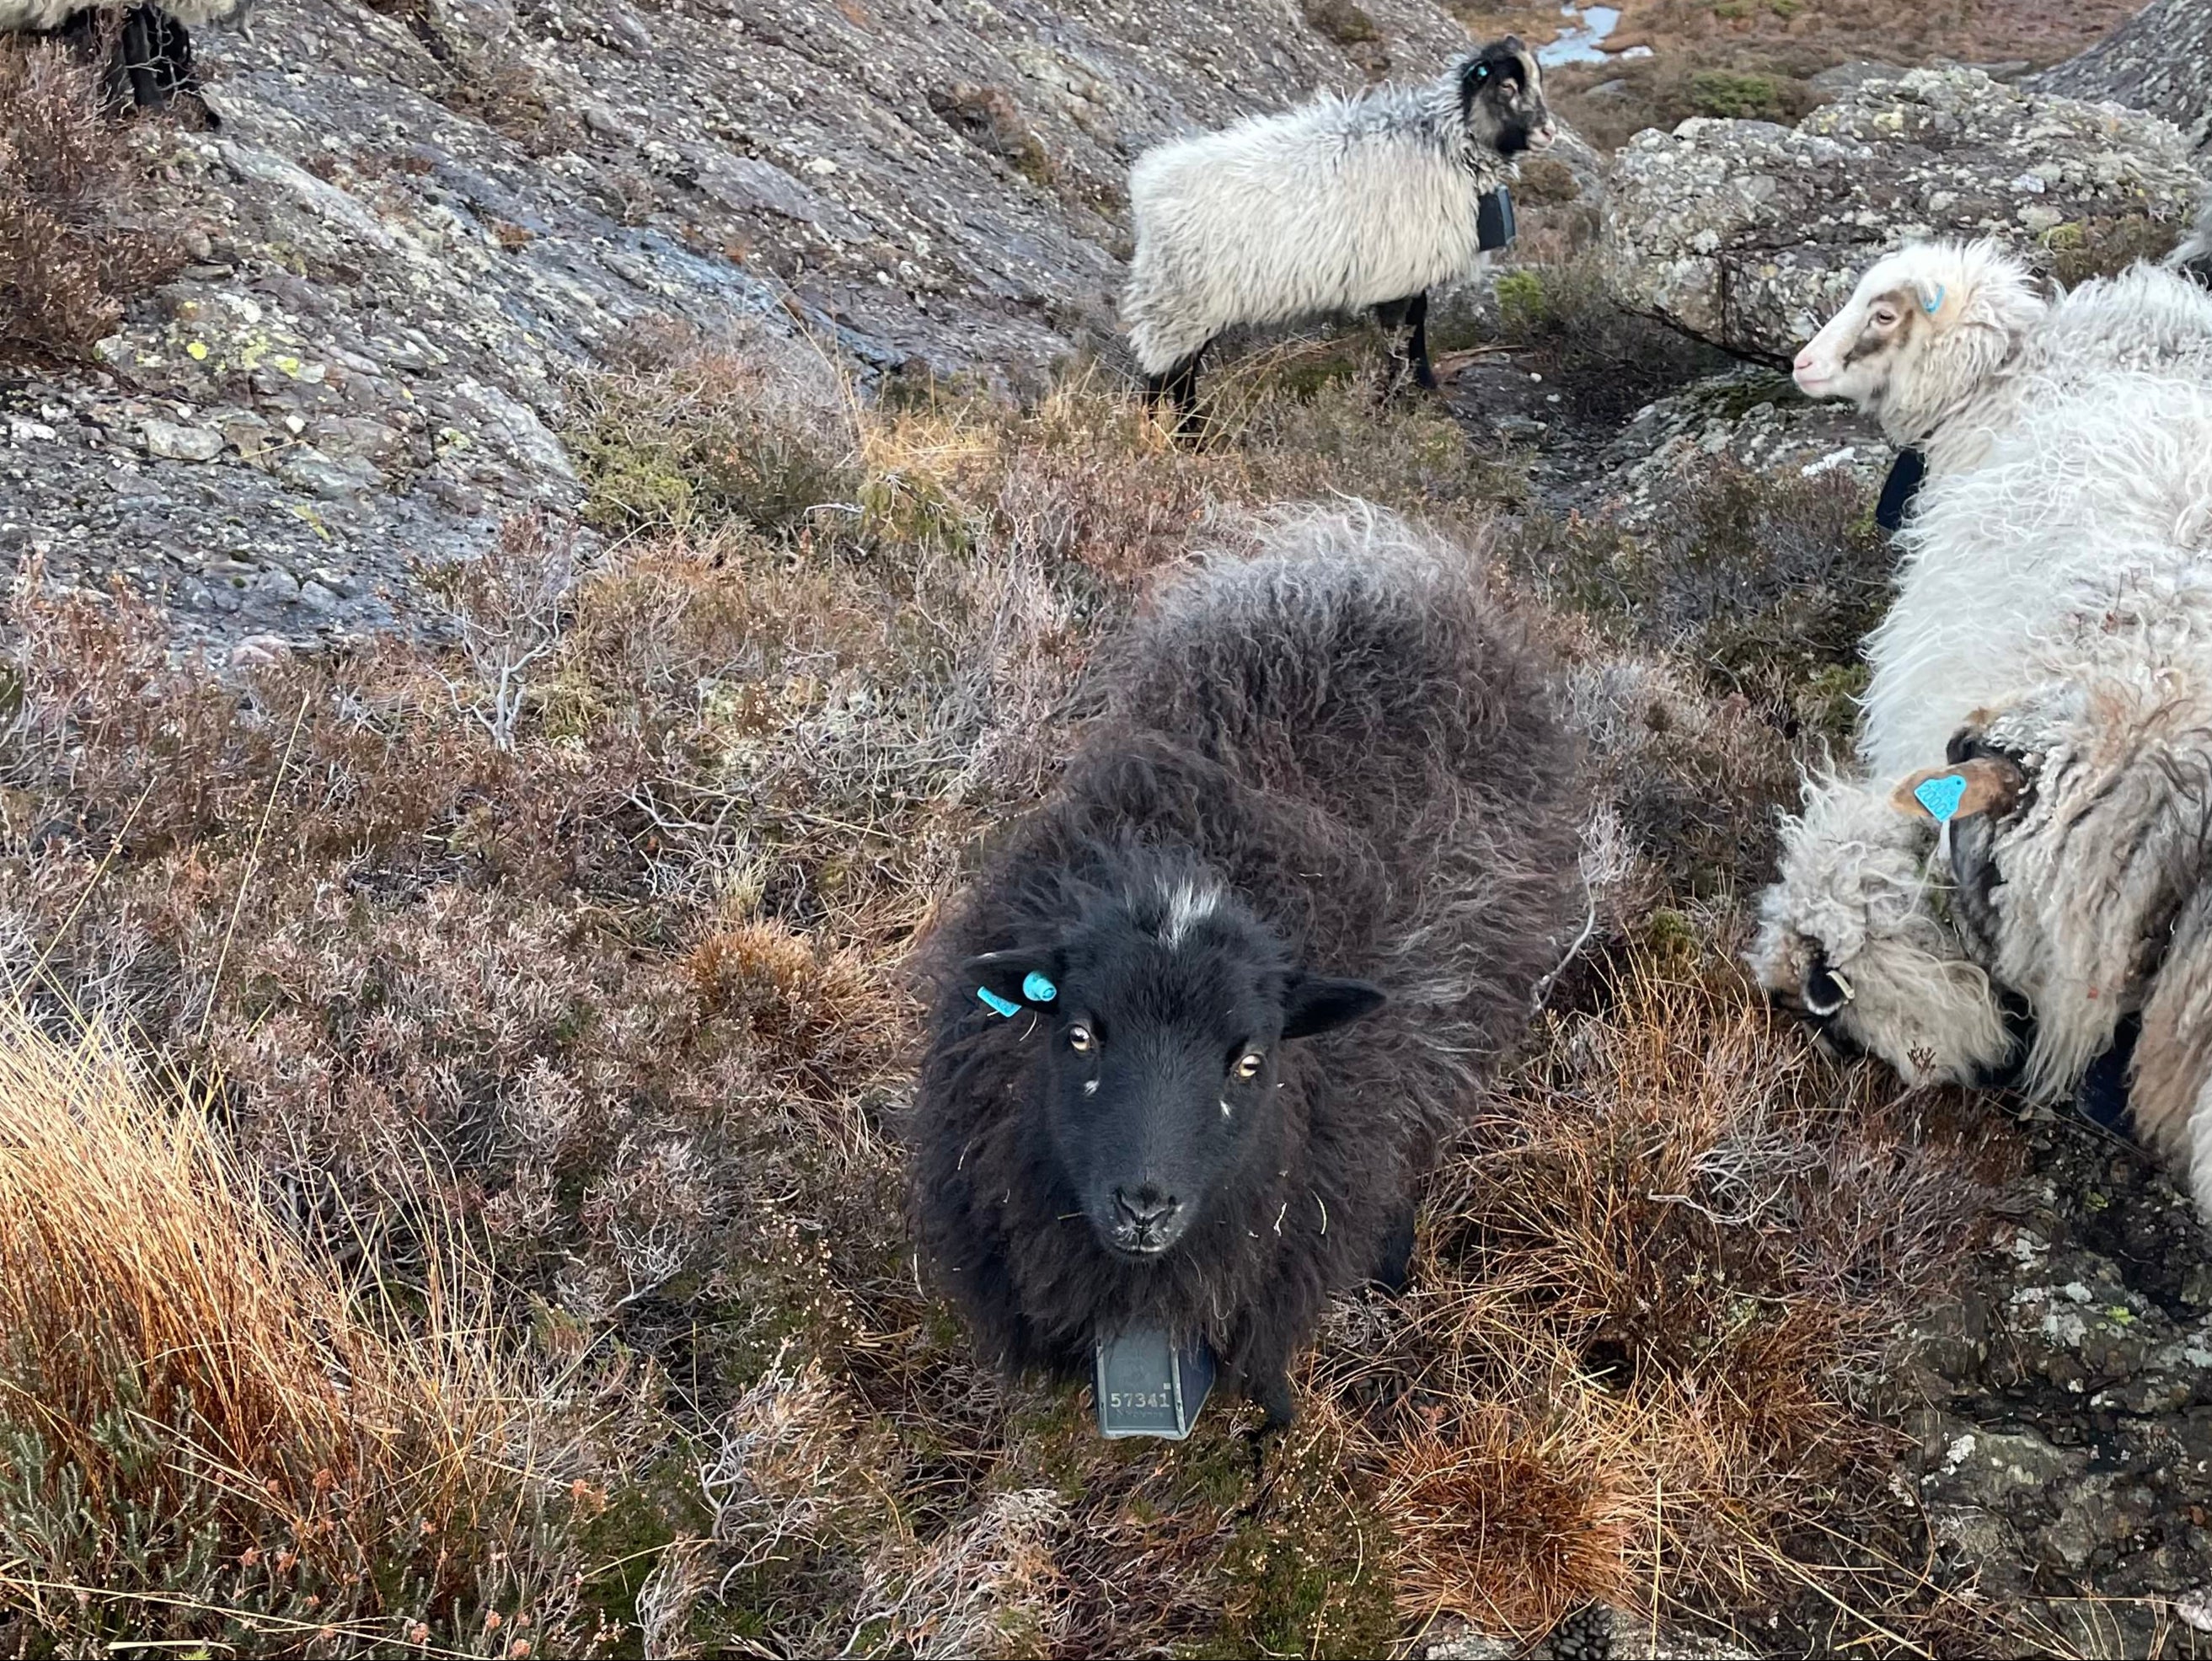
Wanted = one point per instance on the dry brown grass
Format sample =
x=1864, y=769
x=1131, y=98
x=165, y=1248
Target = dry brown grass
x=207, y=1433
x=75, y=242
x=1653, y=1291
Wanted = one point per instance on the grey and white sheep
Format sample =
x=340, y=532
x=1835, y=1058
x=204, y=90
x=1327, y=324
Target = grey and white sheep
x=2046, y=676
x=1341, y=203
x=1256, y=955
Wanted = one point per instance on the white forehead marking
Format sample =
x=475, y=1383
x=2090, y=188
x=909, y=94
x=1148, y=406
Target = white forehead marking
x=1188, y=904
x=1090, y=1086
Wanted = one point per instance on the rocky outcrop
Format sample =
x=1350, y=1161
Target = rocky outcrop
x=1748, y=235
x=2161, y=61
x=420, y=219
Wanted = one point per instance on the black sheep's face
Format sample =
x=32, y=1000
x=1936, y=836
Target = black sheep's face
x=1501, y=92
x=1166, y=1018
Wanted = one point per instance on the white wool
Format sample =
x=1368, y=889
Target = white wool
x=24, y=17
x=1854, y=897
x=1188, y=903
x=1946, y=344
x=2054, y=610
x=1341, y=203
x=2007, y=566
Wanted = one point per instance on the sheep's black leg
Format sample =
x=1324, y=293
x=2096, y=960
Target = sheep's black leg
x=1396, y=1264
x=1273, y=1392
x=1176, y=391
x=1407, y=324
x=2103, y=1094
x=146, y=57
x=1417, y=319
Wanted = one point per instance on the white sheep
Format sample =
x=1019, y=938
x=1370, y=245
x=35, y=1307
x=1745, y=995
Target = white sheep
x=1943, y=342
x=2049, y=657
x=1342, y=203
x=151, y=61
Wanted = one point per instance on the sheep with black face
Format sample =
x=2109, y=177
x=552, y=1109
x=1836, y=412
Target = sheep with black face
x=1288, y=905
x=1341, y=203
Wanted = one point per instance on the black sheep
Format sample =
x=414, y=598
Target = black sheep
x=1292, y=899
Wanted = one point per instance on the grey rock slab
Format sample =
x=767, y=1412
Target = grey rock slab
x=2161, y=61
x=1749, y=235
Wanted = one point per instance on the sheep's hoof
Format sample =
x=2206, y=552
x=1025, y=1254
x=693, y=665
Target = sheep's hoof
x=1274, y=1396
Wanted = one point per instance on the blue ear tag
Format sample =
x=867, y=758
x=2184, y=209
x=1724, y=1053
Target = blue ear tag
x=997, y=1005
x=1932, y=306
x=1940, y=796
x=1037, y=989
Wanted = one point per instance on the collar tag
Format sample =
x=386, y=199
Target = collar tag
x=1493, y=219
x=1148, y=1384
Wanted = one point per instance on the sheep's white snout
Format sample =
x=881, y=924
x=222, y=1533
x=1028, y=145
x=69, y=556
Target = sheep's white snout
x=1539, y=138
x=1811, y=370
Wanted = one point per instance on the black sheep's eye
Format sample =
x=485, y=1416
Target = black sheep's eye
x=1079, y=1039
x=1249, y=1064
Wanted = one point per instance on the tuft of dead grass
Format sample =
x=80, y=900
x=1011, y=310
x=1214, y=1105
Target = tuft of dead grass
x=1656, y=1285
x=75, y=240
x=203, y=1435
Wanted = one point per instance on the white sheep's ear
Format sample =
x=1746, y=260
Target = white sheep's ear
x=1931, y=294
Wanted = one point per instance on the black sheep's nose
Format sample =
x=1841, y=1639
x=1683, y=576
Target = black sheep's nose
x=1146, y=1209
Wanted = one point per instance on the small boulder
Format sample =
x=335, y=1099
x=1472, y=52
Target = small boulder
x=172, y=442
x=1748, y=235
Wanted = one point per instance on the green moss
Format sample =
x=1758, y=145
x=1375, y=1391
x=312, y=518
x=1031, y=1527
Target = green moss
x=1827, y=700
x=1739, y=398
x=630, y=484
x=2104, y=245
x=642, y=473
x=1731, y=96
x=1311, y=1575
x=1523, y=308
x=1673, y=940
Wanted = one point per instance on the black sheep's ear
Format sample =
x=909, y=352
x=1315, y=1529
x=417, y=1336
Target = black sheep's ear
x=1022, y=980
x=1317, y=1003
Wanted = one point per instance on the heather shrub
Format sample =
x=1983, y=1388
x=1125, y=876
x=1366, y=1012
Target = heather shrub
x=75, y=238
